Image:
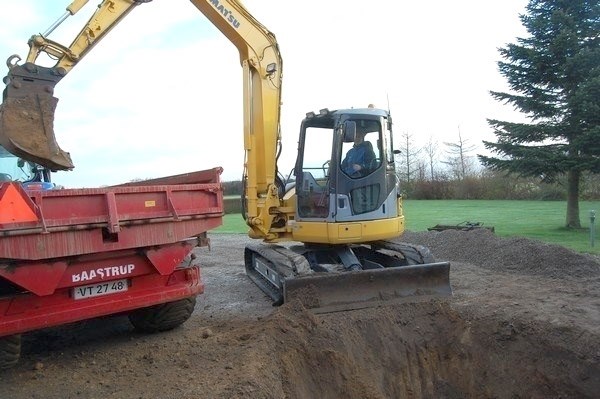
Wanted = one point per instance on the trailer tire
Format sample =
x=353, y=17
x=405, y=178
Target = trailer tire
x=10, y=351
x=163, y=317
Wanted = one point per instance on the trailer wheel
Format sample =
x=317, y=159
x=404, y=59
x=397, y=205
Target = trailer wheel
x=163, y=317
x=10, y=351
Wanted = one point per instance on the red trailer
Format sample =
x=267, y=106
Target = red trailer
x=74, y=254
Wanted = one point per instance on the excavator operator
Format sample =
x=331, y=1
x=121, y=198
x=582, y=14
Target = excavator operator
x=359, y=157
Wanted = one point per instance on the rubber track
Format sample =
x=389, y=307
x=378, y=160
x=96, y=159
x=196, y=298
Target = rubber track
x=163, y=317
x=414, y=254
x=10, y=351
x=286, y=262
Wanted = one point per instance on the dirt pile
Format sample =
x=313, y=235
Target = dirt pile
x=520, y=255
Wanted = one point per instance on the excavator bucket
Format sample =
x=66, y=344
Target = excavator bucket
x=27, y=118
x=334, y=292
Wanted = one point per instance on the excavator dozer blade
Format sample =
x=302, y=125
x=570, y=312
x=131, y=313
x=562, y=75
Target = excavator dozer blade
x=329, y=292
x=27, y=118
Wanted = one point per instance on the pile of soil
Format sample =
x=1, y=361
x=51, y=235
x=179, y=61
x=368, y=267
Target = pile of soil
x=523, y=322
x=519, y=254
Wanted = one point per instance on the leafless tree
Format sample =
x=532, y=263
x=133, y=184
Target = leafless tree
x=431, y=149
x=409, y=158
x=459, y=160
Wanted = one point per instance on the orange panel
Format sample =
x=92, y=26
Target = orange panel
x=15, y=205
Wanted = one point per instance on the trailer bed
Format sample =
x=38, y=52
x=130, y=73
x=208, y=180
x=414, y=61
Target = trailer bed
x=81, y=221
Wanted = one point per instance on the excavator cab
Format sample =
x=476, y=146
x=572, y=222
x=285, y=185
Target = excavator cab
x=345, y=169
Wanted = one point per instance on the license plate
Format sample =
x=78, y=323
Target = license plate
x=107, y=288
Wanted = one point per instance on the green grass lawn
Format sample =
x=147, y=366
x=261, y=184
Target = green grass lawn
x=542, y=220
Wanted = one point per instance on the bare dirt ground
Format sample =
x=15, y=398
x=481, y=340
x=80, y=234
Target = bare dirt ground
x=523, y=322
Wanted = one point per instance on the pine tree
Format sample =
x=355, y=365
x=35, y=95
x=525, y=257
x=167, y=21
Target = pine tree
x=555, y=78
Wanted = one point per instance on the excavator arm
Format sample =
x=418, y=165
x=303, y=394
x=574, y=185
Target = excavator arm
x=27, y=111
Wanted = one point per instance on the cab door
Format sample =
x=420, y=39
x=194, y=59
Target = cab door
x=313, y=173
x=361, y=184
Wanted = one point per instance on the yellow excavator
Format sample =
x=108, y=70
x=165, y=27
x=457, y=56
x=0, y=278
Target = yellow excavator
x=329, y=234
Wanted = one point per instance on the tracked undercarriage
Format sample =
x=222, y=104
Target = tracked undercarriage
x=329, y=278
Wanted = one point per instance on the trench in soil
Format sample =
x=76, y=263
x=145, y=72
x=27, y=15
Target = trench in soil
x=418, y=350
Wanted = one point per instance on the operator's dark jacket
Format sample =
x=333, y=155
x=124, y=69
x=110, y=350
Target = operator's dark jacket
x=361, y=154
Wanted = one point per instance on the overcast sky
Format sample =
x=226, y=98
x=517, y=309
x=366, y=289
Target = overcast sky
x=162, y=93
